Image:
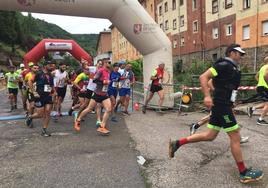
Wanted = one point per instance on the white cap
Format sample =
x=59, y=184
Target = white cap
x=239, y=49
x=22, y=65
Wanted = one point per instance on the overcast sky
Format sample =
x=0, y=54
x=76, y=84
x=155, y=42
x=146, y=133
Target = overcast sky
x=75, y=25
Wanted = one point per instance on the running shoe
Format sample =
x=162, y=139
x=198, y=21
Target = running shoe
x=262, y=122
x=44, y=133
x=77, y=125
x=28, y=121
x=98, y=124
x=193, y=128
x=126, y=113
x=113, y=119
x=173, y=147
x=70, y=112
x=103, y=130
x=244, y=139
x=249, y=111
x=143, y=109
x=251, y=176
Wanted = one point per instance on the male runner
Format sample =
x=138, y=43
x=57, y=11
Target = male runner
x=262, y=90
x=226, y=79
x=43, y=96
x=156, y=77
x=100, y=95
x=12, y=79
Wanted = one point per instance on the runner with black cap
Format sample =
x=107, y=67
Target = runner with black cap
x=226, y=77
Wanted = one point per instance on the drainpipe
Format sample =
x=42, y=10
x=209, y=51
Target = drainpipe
x=257, y=39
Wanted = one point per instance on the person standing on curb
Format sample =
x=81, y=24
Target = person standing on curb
x=226, y=79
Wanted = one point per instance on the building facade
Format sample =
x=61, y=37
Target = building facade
x=121, y=47
x=104, y=46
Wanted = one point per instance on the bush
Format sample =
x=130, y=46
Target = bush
x=137, y=68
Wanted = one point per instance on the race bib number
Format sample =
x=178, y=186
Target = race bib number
x=233, y=96
x=47, y=88
x=115, y=84
x=105, y=88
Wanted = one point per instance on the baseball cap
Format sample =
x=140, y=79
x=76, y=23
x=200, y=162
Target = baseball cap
x=22, y=65
x=239, y=49
x=234, y=47
x=30, y=64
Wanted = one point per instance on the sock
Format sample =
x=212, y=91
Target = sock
x=253, y=108
x=182, y=141
x=260, y=118
x=241, y=167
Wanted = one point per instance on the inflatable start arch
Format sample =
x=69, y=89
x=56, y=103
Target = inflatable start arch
x=50, y=45
x=128, y=16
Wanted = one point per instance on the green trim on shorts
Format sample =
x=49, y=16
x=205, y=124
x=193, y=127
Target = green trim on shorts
x=233, y=128
x=213, y=127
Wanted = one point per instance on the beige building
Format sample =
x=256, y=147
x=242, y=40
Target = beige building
x=121, y=47
x=104, y=46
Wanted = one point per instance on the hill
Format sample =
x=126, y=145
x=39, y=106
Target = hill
x=19, y=34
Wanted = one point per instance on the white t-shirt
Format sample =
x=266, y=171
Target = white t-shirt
x=59, y=78
x=92, y=86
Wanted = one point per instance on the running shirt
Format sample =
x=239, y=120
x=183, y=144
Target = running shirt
x=29, y=76
x=157, y=73
x=262, y=72
x=114, y=78
x=60, y=78
x=129, y=77
x=102, y=75
x=12, y=80
x=82, y=80
x=91, y=85
x=44, y=83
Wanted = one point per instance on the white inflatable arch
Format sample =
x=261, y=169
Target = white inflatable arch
x=128, y=16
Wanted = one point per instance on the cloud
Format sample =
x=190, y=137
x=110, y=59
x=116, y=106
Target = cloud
x=75, y=25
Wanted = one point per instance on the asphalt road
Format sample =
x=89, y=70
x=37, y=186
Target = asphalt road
x=66, y=159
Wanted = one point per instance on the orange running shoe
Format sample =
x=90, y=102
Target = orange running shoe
x=103, y=130
x=77, y=125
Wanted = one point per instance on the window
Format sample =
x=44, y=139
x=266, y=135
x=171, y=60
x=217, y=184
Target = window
x=195, y=26
x=214, y=57
x=264, y=1
x=152, y=8
x=194, y=4
x=166, y=25
x=173, y=4
x=246, y=4
x=265, y=28
x=182, y=21
x=161, y=26
x=175, y=43
x=166, y=7
x=246, y=32
x=181, y=2
x=182, y=41
x=228, y=4
x=215, y=33
x=215, y=6
x=229, y=29
x=174, y=24
x=160, y=10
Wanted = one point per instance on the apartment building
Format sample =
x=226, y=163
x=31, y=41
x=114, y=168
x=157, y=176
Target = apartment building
x=252, y=29
x=104, y=46
x=121, y=47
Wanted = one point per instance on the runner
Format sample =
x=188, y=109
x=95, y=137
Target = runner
x=127, y=80
x=43, y=96
x=112, y=89
x=226, y=79
x=30, y=96
x=12, y=79
x=157, y=78
x=22, y=88
x=60, y=83
x=262, y=90
x=100, y=96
